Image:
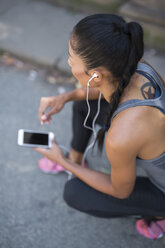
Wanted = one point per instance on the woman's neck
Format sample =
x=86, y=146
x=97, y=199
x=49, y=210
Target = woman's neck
x=107, y=89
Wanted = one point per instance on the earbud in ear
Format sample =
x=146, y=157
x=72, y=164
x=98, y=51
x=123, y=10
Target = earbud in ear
x=94, y=76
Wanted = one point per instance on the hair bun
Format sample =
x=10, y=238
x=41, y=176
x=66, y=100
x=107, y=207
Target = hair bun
x=125, y=28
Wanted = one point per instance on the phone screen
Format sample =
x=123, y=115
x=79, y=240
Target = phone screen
x=35, y=138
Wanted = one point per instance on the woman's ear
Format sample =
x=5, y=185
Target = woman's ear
x=97, y=76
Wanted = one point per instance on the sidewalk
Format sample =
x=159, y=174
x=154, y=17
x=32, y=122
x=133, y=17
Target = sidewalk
x=36, y=31
x=40, y=32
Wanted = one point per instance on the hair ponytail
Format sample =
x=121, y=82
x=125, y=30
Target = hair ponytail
x=107, y=40
x=115, y=99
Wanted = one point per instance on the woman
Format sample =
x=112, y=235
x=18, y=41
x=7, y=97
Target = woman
x=105, y=55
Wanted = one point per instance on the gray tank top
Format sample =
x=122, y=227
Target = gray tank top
x=154, y=168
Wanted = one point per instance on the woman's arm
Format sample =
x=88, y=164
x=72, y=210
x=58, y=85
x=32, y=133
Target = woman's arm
x=119, y=184
x=121, y=151
x=56, y=103
x=123, y=142
x=122, y=157
x=80, y=94
x=97, y=180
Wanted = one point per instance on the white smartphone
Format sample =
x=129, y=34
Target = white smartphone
x=32, y=138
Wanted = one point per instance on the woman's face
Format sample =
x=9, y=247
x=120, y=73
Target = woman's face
x=78, y=67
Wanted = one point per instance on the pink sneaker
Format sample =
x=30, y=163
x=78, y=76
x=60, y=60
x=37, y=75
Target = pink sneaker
x=49, y=166
x=154, y=230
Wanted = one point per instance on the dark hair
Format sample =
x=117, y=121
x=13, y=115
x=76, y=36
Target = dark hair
x=107, y=40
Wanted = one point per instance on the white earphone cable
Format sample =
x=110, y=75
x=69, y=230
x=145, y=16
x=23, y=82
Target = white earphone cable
x=93, y=123
x=85, y=125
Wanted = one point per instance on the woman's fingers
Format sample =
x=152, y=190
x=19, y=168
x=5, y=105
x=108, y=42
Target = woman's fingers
x=54, y=154
x=45, y=103
x=55, y=104
x=40, y=150
x=45, y=119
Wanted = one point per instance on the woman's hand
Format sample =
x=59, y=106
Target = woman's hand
x=55, y=105
x=55, y=154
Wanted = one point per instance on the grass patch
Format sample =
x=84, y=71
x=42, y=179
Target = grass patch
x=155, y=40
x=95, y=6
x=2, y=52
x=159, y=41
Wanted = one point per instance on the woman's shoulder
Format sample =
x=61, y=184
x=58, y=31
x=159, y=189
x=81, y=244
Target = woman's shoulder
x=130, y=127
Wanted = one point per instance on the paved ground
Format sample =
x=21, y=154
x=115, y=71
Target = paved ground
x=33, y=213
x=37, y=31
x=32, y=210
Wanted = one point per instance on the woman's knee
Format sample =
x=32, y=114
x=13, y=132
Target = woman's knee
x=73, y=194
x=70, y=192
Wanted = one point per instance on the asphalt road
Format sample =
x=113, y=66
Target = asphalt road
x=32, y=211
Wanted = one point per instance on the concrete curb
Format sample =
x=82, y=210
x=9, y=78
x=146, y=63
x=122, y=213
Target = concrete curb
x=39, y=32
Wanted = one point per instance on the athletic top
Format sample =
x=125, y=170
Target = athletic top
x=154, y=168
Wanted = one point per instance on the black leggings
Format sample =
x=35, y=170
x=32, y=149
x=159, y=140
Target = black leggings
x=145, y=200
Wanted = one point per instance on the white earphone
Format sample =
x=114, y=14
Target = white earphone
x=94, y=76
